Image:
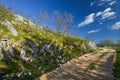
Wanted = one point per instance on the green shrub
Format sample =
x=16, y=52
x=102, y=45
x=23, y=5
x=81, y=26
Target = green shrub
x=117, y=64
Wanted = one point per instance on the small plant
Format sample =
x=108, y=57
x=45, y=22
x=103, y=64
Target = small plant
x=101, y=56
x=117, y=64
x=91, y=66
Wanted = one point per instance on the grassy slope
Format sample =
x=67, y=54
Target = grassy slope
x=39, y=36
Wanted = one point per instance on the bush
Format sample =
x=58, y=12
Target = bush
x=117, y=64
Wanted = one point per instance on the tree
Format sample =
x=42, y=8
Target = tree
x=40, y=18
x=63, y=22
x=106, y=42
x=118, y=43
x=58, y=19
x=90, y=36
x=68, y=19
x=43, y=19
x=46, y=20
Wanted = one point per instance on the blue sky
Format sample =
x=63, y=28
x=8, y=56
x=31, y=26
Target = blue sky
x=99, y=18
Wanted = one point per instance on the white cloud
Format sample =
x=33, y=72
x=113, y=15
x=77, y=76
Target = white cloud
x=113, y=2
x=106, y=2
x=100, y=4
x=99, y=14
x=108, y=15
x=107, y=10
x=92, y=3
x=89, y=19
x=116, y=25
x=93, y=31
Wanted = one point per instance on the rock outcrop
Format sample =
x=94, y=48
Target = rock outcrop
x=18, y=17
x=10, y=27
x=1, y=53
x=6, y=48
x=88, y=45
x=3, y=47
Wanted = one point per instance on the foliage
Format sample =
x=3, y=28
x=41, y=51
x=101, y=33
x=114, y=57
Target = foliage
x=63, y=22
x=117, y=64
x=105, y=42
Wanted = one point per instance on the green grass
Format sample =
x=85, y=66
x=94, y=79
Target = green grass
x=101, y=56
x=2, y=62
x=91, y=66
x=70, y=46
x=117, y=64
x=4, y=30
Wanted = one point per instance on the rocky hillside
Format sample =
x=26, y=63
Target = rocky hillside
x=28, y=50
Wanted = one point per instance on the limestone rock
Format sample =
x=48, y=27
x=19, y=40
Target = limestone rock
x=23, y=52
x=88, y=45
x=10, y=27
x=33, y=47
x=92, y=45
x=4, y=48
x=3, y=42
x=31, y=23
x=18, y=17
x=1, y=53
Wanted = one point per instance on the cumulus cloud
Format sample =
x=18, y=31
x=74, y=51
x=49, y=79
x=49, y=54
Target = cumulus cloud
x=113, y=2
x=103, y=2
x=100, y=4
x=94, y=31
x=107, y=10
x=89, y=19
x=107, y=13
x=99, y=14
x=116, y=25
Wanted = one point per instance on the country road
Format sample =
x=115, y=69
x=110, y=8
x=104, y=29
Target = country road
x=92, y=66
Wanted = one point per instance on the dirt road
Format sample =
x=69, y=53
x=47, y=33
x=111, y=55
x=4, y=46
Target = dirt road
x=93, y=66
